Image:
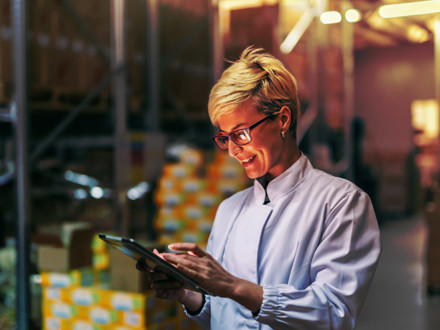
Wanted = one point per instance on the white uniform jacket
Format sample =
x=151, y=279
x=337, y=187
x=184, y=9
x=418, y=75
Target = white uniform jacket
x=314, y=249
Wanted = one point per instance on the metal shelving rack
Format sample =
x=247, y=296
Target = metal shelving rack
x=18, y=114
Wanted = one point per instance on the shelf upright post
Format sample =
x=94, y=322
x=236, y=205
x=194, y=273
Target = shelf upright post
x=217, y=40
x=153, y=85
x=348, y=98
x=119, y=92
x=312, y=49
x=437, y=73
x=19, y=14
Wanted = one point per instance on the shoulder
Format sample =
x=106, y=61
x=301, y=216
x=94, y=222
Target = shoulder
x=334, y=188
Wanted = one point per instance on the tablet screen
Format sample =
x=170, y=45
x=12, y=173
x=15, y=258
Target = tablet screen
x=139, y=253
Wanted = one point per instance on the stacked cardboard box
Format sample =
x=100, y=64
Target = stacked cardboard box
x=189, y=194
x=88, y=298
x=69, y=306
x=64, y=61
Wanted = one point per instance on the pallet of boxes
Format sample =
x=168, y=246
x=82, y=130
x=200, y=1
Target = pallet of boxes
x=189, y=193
x=86, y=285
x=432, y=216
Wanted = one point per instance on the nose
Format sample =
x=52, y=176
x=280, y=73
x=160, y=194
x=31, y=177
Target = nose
x=233, y=148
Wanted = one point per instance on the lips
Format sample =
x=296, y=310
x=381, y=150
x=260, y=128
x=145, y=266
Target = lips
x=248, y=161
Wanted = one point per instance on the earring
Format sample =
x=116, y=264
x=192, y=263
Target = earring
x=283, y=134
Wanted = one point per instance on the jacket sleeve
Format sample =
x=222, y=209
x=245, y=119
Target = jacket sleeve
x=340, y=273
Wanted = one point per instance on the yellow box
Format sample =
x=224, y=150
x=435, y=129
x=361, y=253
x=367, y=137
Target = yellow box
x=123, y=301
x=98, y=245
x=59, y=309
x=132, y=319
x=102, y=316
x=82, y=296
x=178, y=171
x=54, y=323
x=61, y=280
x=101, y=260
x=193, y=184
x=170, y=198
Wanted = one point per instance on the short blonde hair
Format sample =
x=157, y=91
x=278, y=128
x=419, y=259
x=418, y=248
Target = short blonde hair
x=259, y=78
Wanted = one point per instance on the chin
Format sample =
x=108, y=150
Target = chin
x=253, y=175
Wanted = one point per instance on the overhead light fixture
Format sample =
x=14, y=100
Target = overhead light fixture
x=353, y=15
x=417, y=34
x=297, y=32
x=80, y=193
x=138, y=190
x=330, y=17
x=81, y=179
x=242, y=4
x=410, y=9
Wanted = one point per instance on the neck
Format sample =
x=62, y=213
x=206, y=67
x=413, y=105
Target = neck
x=289, y=155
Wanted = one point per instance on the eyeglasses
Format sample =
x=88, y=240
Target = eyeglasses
x=240, y=136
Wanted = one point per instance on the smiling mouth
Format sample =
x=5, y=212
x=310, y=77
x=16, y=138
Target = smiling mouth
x=248, y=160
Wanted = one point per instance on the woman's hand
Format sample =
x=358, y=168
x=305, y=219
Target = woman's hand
x=165, y=287
x=203, y=268
x=210, y=275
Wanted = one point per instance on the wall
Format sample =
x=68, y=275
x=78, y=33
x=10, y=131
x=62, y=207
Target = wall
x=387, y=80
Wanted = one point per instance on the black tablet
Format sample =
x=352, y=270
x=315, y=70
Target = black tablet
x=139, y=253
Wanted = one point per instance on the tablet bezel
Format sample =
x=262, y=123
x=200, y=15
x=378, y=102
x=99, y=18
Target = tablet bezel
x=136, y=251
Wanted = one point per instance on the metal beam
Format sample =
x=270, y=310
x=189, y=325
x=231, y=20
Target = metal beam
x=52, y=136
x=19, y=15
x=86, y=30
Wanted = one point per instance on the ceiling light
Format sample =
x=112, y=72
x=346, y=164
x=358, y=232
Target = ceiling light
x=330, y=17
x=296, y=33
x=242, y=4
x=410, y=9
x=353, y=15
x=417, y=34
x=97, y=192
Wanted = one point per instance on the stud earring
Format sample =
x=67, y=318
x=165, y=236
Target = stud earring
x=283, y=134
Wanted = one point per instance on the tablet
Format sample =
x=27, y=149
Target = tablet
x=139, y=253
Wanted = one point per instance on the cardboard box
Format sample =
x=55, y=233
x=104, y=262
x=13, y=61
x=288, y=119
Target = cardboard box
x=64, y=250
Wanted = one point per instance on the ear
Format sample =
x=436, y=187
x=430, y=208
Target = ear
x=285, y=118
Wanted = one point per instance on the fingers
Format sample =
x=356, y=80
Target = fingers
x=141, y=265
x=166, y=285
x=191, y=248
x=189, y=265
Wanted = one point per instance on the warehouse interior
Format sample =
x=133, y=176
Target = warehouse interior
x=104, y=128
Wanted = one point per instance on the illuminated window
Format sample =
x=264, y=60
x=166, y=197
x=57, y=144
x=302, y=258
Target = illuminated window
x=425, y=121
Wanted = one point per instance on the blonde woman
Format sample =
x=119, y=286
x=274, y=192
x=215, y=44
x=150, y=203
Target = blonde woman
x=299, y=248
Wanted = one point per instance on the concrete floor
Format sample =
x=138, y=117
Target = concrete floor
x=397, y=297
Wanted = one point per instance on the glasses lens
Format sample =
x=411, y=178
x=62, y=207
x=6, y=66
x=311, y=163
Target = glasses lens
x=241, y=136
x=222, y=141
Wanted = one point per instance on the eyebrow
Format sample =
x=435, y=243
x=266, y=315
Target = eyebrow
x=233, y=128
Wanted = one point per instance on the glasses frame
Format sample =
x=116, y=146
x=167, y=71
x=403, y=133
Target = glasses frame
x=246, y=130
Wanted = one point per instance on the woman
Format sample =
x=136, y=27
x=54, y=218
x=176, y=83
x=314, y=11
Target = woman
x=299, y=248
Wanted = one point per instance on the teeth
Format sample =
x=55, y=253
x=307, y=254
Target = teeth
x=248, y=160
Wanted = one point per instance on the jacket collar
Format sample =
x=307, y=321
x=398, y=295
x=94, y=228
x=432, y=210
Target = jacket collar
x=282, y=183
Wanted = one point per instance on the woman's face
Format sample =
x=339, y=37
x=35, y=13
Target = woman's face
x=266, y=152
